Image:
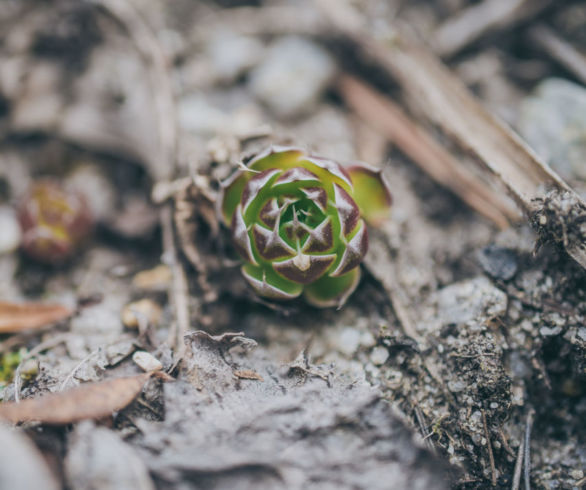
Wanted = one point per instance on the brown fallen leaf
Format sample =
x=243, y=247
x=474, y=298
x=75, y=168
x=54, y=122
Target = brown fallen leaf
x=88, y=401
x=15, y=317
x=248, y=374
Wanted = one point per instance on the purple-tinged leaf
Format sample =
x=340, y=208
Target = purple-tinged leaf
x=348, y=211
x=268, y=284
x=354, y=252
x=269, y=243
x=241, y=237
x=303, y=268
x=321, y=238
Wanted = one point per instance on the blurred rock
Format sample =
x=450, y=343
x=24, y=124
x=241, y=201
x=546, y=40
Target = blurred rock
x=90, y=181
x=11, y=235
x=98, y=458
x=553, y=121
x=292, y=77
x=21, y=465
x=146, y=361
x=470, y=300
x=232, y=55
x=142, y=311
x=498, y=262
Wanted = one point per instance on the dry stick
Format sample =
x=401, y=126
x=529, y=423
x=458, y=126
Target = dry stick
x=419, y=146
x=471, y=24
x=179, y=288
x=74, y=370
x=518, y=467
x=560, y=50
x=489, y=447
x=47, y=344
x=146, y=43
x=445, y=101
x=527, y=455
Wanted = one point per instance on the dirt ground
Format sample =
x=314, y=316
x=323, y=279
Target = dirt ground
x=460, y=360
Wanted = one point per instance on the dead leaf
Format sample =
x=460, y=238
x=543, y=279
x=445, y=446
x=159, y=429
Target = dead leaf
x=15, y=317
x=89, y=401
x=248, y=374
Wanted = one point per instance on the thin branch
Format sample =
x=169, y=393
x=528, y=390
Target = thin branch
x=559, y=50
x=489, y=447
x=74, y=370
x=179, y=291
x=472, y=23
x=147, y=44
x=527, y=453
x=518, y=467
x=47, y=344
x=413, y=140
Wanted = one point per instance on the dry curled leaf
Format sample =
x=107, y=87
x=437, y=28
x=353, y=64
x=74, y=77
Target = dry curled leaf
x=15, y=317
x=89, y=401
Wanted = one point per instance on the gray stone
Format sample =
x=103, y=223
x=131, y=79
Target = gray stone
x=232, y=55
x=292, y=76
x=98, y=458
x=474, y=299
x=11, y=235
x=21, y=464
x=553, y=121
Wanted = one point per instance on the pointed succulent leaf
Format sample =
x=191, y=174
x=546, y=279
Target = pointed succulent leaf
x=303, y=268
x=371, y=193
x=332, y=291
x=268, y=284
x=354, y=251
x=231, y=195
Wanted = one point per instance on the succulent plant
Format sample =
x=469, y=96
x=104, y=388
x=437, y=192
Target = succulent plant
x=297, y=221
x=54, y=221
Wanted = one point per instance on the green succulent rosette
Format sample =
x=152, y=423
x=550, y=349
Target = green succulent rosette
x=298, y=221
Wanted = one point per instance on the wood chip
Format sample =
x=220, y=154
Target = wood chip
x=89, y=401
x=15, y=317
x=248, y=374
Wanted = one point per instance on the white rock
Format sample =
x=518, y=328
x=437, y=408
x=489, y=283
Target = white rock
x=292, y=76
x=99, y=192
x=10, y=233
x=199, y=116
x=146, y=361
x=347, y=341
x=469, y=300
x=232, y=55
x=379, y=355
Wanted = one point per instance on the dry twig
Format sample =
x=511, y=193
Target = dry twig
x=518, y=467
x=419, y=145
x=527, y=451
x=489, y=447
x=559, y=49
x=179, y=289
x=146, y=43
x=471, y=24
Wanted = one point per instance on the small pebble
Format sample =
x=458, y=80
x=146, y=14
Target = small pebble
x=231, y=55
x=292, y=77
x=348, y=341
x=498, y=262
x=11, y=235
x=146, y=361
x=156, y=279
x=379, y=356
x=144, y=310
x=553, y=121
